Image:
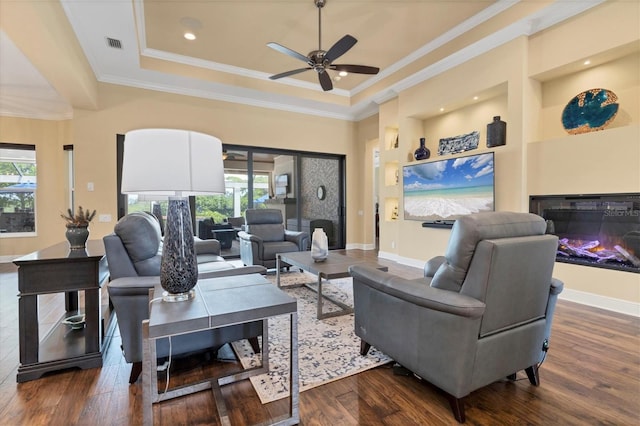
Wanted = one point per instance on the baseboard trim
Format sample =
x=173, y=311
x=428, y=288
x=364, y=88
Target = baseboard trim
x=360, y=247
x=602, y=302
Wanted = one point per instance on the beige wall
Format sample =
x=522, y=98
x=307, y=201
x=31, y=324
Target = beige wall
x=49, y=138
x=93, y=134
x=528, y=82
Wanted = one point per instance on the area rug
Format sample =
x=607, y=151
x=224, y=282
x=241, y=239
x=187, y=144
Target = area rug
x=328, y=349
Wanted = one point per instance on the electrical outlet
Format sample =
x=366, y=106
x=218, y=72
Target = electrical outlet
x=104, y=218
x=393, y=244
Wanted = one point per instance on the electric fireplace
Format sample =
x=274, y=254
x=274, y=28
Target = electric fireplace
x=599, y=230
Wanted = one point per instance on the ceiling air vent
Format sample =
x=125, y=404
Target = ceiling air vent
x=115, y=43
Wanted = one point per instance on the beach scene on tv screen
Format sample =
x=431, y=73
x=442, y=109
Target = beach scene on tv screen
x=448, y=189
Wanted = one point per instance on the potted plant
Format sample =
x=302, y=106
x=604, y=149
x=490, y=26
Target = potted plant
x=78, y=227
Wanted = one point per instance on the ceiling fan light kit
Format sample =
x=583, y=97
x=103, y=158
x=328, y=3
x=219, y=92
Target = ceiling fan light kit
x=321, y=60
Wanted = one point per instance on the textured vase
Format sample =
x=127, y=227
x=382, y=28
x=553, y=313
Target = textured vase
x=77, y=236
x=156, y=210
x=319, y=245
x=496, y=132
x=422, y=153
x=179, y=266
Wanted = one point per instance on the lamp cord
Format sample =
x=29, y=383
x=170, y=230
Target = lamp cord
x=167, y=365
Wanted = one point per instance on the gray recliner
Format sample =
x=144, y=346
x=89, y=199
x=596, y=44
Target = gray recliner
x=134, y=253
x=264, y=236
x=481, y=313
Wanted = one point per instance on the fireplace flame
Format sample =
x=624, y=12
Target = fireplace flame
x=595, y=251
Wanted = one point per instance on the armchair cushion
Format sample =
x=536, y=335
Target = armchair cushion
x=142, y=240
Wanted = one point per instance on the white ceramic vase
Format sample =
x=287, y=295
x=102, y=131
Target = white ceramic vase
x=319, y=245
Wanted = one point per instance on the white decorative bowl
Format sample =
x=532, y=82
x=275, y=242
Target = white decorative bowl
x=76, y=322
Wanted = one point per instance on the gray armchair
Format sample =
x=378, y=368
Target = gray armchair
x=134, y=254
x=264, y=236
x=481, y=313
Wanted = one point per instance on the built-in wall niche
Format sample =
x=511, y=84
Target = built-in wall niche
x=471, y=117
x=391, y=209
x=620, y=75
x=391, y=138
x=391, y=173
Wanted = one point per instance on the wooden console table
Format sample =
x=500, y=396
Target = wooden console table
x=218, y=302
x=57, y=269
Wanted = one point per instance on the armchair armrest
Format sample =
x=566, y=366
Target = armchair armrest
x=249, y=237
x=418, y=293
x=207, y=246
x=130, y=298
x=432, y=266
x=301, y=238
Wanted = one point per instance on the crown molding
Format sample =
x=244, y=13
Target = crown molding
x=556, y=12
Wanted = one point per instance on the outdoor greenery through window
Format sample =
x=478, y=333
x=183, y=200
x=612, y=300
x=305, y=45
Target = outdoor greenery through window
x=17, y=188
x=219, y=207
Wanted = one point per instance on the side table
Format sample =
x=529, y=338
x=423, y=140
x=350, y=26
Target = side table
x=225, y=236
x=57, y=269
x=218, y=302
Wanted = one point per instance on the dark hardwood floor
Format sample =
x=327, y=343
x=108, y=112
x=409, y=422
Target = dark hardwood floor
x=591, y=376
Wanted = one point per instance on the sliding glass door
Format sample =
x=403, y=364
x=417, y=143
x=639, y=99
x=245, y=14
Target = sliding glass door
x=308, y=188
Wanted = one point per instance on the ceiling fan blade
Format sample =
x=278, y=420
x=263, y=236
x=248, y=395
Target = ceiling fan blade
x=358, y=69
x=340, y=48
x=288, y=73
x=280, y=48
x=325, y=81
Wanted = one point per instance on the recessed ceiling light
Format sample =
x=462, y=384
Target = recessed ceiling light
x=441, y=109
x=587, y=62
x=191, y=27
x=475, y=98
x=343, y=73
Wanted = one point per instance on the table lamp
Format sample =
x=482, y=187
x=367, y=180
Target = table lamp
x=174, y=163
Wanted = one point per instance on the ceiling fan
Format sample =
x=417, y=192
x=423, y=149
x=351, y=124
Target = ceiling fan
x=322, y=60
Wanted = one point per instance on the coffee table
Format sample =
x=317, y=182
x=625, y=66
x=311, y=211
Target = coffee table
x=335, y=266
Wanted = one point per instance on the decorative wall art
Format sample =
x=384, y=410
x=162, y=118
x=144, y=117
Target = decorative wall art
x=589, y=111
x=459, y=143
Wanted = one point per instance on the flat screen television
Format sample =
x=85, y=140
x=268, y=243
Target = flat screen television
x=444, y=190
x=282, y=185
x=282, y=180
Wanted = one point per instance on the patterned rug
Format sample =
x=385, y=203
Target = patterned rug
x=328, y=349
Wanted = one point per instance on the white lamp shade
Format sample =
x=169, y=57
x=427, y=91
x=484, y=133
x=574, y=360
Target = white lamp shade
x=172, y=162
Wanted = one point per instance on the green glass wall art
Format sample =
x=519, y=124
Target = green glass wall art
x=589, y=111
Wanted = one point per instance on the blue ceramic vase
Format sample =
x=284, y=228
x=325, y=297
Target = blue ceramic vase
x=422, y=153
